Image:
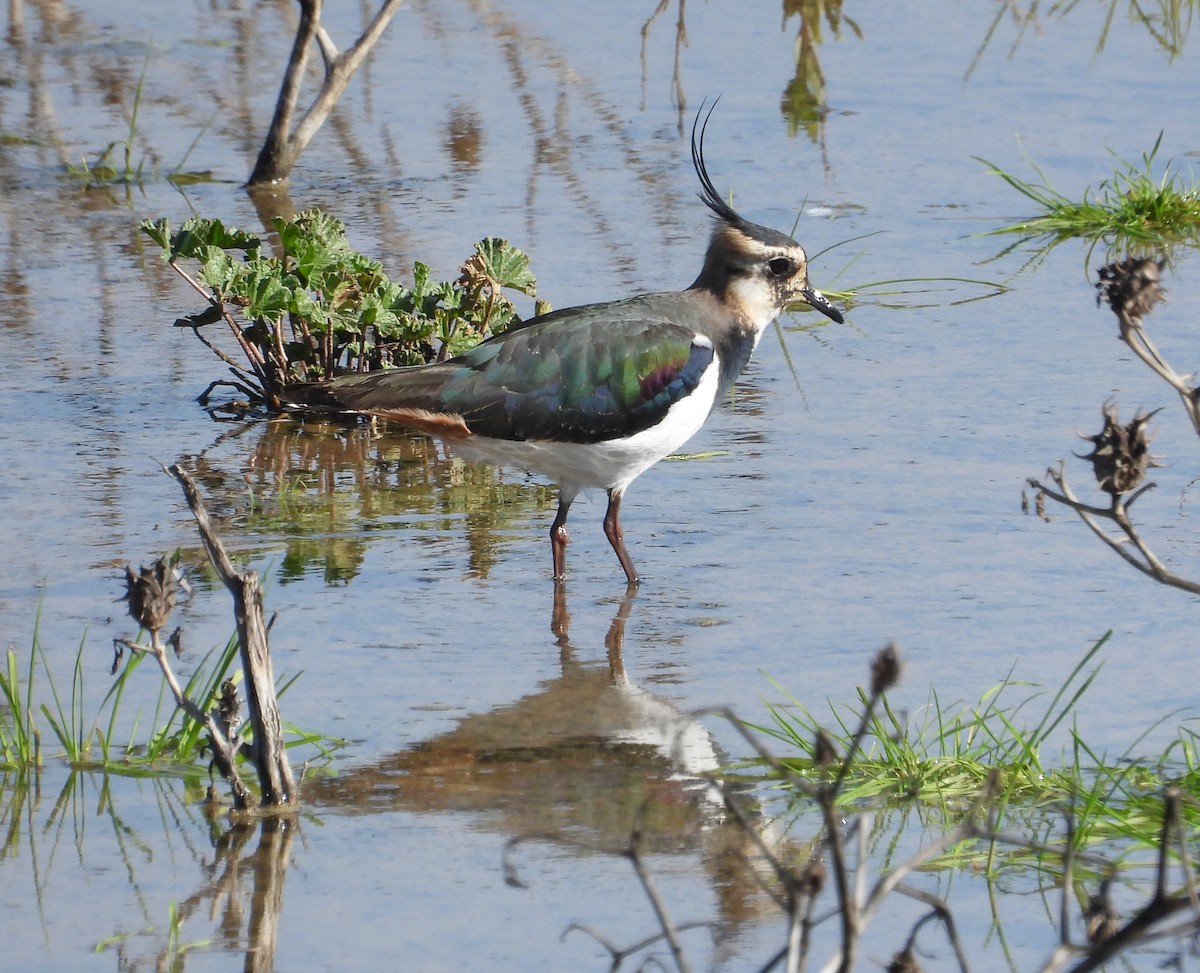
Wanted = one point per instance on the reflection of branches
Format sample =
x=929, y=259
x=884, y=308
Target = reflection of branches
x=1168, y=25
x=681, y=40
x=803, y=103
x=1121, y=456
x=224, y=893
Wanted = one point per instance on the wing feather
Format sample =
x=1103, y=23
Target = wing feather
x=584, y=374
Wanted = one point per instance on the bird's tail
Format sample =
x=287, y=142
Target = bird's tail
x=413, y=396
x=317, y=397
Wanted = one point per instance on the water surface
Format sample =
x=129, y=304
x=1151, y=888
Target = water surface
x=862, y=485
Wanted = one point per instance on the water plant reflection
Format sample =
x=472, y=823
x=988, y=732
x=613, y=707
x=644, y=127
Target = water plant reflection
x=326, y=489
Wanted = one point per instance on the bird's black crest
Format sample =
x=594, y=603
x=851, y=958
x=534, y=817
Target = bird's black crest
x=712, y=199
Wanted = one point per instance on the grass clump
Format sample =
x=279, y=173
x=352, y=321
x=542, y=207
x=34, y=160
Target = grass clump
x=943, y=759
x=20, y=740
x=1131, y=211
x=115, y=163
x=176, y=741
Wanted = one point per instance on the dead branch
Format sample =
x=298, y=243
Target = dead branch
x=1121, y=457
x=257, y=362
x=266, y=751
x=670, y=933
x=284, y=143
x=1127, y=543
x=668, y=930
x=1146, y=925
x=151, y=597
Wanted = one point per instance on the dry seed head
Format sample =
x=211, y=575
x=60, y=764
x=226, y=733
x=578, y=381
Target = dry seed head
x=228, y=704
x=811, y=878
x=1100, y=917
x=824, y=752
x=151, y=594
x=885, y=669
x=1132, y=287
x=1121, y=453
x=904, y=962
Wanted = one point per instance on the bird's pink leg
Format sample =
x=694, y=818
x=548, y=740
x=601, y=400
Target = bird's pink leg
x=616, y=537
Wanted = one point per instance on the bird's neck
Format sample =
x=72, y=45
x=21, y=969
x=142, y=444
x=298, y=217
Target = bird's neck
x=734, y=333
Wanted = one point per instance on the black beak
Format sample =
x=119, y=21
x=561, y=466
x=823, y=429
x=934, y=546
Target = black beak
x=819, y=302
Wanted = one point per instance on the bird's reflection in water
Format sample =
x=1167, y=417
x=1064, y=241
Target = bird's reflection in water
x=588, y=749
x=582, y=761
x=634, y=716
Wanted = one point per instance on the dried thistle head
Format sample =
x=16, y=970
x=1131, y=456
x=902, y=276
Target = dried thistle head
x=824, y=752
x=885, y=669
x=151, y=594
x=1132, y=287
x=1121, y=455
x=904, y=962
x=1101, y=918
x=810, y=879
x=228, y=705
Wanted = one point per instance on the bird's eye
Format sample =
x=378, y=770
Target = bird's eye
x=780, y=267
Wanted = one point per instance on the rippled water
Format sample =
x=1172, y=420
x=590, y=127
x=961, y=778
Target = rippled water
x=863, y=484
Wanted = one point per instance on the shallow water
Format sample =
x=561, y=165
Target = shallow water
x=863, y=484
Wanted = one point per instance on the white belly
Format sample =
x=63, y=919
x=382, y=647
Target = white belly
x=612, y=464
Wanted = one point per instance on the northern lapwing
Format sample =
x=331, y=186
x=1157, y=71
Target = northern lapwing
x=593, y=396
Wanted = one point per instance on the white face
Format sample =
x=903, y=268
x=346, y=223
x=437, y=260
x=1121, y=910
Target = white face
x=772, y=278
x=756, y=299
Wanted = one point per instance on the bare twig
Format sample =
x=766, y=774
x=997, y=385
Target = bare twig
x=1128, y=543
x=267, y=750
x=284, y=144
x=249, y=349
x=668, y=930
x=670, y=933
x=224, y=745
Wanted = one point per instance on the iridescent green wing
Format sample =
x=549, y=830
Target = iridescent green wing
x=584, y=375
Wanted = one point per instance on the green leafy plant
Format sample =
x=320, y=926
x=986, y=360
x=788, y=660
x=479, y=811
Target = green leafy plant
x=1130, y=211
x=321, y=308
